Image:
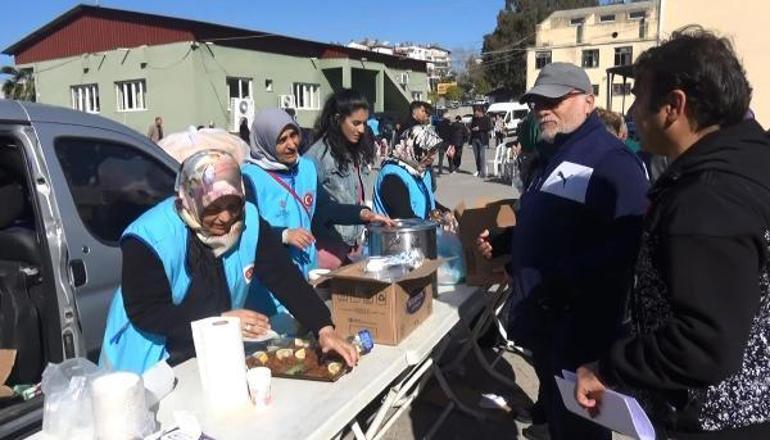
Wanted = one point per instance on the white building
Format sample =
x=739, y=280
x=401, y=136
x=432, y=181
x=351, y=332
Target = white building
x=439, y=60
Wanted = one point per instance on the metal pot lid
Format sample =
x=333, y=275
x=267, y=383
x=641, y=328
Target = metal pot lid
x=405, y=225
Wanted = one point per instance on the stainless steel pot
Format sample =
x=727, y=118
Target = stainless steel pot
x=408, y=234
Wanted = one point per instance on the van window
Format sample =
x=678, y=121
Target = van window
x=520, y=114
x=111, y=183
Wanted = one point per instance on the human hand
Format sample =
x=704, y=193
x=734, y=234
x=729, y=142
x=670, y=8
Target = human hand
x=589, y=389
x=253, y=324
x=367, y=216
x=330, y=340
x=483, y=244
x=299, y=238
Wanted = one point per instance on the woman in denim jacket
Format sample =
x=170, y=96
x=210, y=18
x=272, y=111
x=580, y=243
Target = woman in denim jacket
x=339, y=154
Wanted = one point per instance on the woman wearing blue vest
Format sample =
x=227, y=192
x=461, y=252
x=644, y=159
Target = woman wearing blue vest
x=284, y=186
x=404, y=188
x=194, y=256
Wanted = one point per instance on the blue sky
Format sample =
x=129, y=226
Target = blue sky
x=455, y=24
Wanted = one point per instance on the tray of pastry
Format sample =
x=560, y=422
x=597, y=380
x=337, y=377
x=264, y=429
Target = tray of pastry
x=298, y=358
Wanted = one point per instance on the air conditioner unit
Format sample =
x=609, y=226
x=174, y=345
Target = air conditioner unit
x=287, y=101
x=241, y=108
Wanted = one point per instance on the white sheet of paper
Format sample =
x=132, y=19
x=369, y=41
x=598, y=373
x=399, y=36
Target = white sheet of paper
x=618, y=412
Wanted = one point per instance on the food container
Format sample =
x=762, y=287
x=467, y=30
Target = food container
x=408, y=234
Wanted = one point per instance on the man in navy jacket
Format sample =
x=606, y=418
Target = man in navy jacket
x=575, y=241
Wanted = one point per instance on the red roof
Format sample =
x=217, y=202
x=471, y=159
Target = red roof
x=88, y=29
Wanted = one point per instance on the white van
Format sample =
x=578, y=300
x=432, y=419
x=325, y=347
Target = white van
x=512, y=113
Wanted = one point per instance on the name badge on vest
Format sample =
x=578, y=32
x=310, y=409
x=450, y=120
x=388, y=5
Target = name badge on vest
x=569, y=180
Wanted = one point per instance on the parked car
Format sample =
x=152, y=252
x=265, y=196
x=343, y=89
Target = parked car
x=78, y=180
x=512, y=112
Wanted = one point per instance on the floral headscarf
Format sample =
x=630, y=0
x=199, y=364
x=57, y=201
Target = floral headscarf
x=203, y=178
x=416, y=143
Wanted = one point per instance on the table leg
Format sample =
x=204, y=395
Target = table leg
x=357, y=431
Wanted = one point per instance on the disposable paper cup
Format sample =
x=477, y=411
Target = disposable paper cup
x=316, y=274
x=258, y=379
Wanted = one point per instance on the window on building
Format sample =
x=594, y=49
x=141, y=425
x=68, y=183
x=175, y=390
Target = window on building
x=239, y=87
x=621, y=89
x=268, y=85
x=542, y=57
x=596, y=89
x=637, y=15
x=643, y=28
x=606, y=18
x=85, y=97
x=577, y=21
x=591, y=58
x=131, y=95
x=417, y=96
x=307, y=96
x=579, y=33
x=623, y=55
x=111, y=183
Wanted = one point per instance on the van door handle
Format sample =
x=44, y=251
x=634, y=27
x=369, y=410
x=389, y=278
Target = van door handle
x=78, y=272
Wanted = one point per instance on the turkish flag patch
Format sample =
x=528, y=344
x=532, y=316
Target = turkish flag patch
x=308, y=199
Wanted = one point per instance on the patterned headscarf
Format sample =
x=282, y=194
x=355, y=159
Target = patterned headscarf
x=203, y=178
x=184, y=144
x=416, y=143
x=267, y=127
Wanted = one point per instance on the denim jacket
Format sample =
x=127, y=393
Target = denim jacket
x=343, y=186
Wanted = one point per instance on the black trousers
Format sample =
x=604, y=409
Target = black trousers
x=549, y=359
x=441, y=154
x=479, y=151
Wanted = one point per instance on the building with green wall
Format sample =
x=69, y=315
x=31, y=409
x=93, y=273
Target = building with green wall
x=132, y=67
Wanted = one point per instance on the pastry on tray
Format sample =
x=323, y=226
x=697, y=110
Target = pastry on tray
x=298, y=358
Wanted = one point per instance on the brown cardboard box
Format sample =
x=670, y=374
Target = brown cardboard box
x=472, y=220
x=390, y=311
x=7, y=359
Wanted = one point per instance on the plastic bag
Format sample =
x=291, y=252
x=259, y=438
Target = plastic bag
x=452, y=270
x=67, y=413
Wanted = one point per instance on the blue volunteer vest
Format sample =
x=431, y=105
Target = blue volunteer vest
x=421, y=195
x=127, y=348
x=281, y=209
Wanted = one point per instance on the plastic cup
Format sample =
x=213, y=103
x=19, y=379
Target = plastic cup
x=316, y=274
x=259, y=379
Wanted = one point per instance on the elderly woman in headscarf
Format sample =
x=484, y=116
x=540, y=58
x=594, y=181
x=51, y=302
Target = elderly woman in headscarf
x=405, y=187
x=285, y=187
x=194, y=256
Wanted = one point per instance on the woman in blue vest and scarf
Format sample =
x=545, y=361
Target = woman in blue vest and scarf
x=284, y=186
x=194, y=256
x=405, y=188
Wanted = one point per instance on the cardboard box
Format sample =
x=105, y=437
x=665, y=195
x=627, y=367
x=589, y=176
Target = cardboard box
x=7, y=360
x=390, y=311
x=472, y=220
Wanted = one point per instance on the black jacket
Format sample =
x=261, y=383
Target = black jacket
x=484, y=125
x=698, y=356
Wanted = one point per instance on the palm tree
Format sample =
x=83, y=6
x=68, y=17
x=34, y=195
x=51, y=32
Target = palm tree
x=20, y=84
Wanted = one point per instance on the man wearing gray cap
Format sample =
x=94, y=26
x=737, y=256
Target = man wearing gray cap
x=575, y=241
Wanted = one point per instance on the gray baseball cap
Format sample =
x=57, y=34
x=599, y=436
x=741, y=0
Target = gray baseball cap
x=556, y=80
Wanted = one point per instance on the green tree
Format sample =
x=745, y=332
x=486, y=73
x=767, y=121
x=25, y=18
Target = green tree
x=20, y=83
x=504, y=52
x=454, y=93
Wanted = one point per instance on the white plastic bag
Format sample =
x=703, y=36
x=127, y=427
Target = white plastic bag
x=452, y=270
x=67, y=412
